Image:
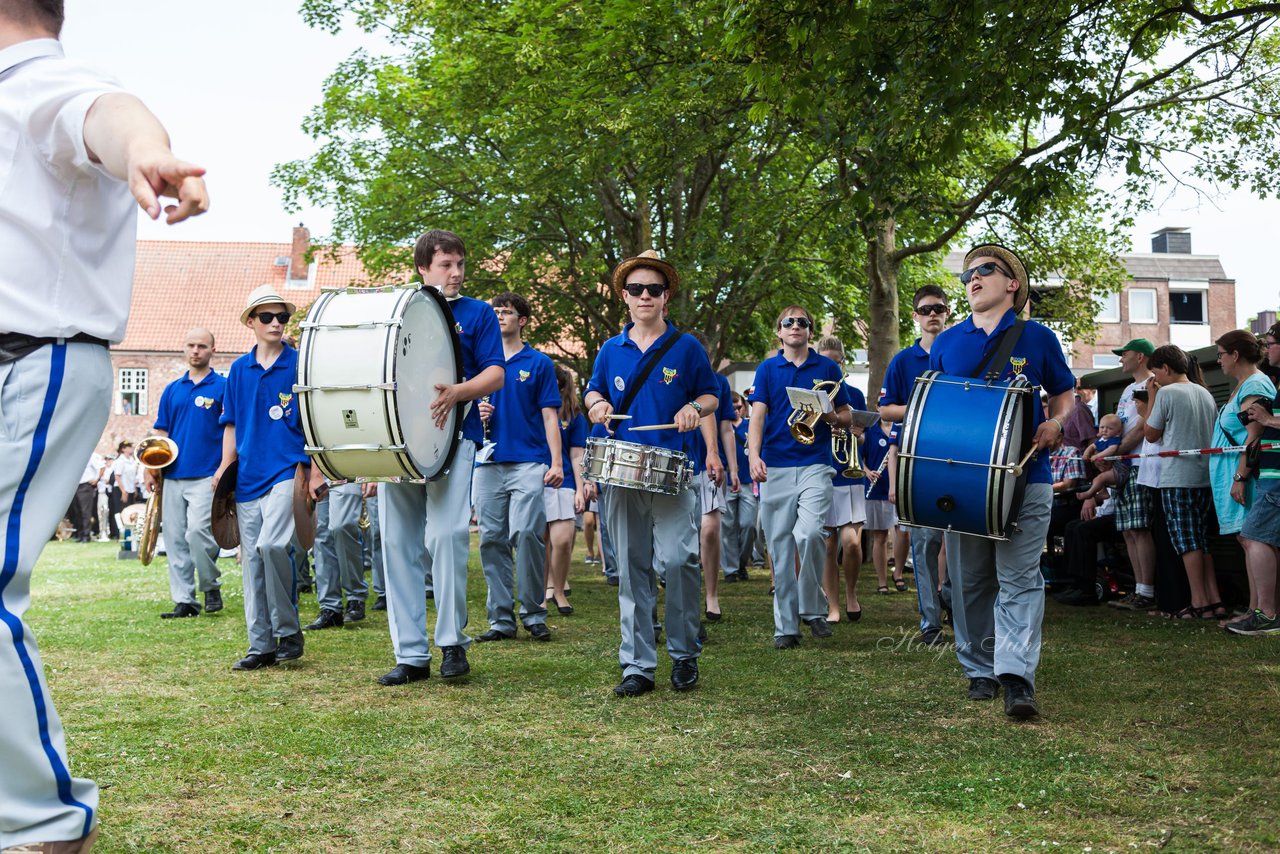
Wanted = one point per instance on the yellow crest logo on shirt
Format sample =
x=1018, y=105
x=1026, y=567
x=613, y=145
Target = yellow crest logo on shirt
x=524, y=375
x=285, y=399
x=669, y=375
x=1017, y=363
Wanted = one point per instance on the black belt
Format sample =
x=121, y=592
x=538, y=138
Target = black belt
x=15, y=345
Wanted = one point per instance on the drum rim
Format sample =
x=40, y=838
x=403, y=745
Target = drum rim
x=460, y=409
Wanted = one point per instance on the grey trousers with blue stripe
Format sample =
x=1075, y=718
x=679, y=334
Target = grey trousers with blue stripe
x=53, y=408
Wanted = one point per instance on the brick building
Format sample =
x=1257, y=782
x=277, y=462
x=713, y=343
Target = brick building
x=180, y=284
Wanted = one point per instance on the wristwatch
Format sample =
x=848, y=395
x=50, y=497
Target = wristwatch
x=696, y=406
x=1239, y=478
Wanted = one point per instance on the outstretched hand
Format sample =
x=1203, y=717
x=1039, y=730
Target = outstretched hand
x=155, y=172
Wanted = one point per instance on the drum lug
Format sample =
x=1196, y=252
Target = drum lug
x=305, y=389
x=374, y=324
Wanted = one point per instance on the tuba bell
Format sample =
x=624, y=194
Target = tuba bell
x=155, y=453
x=803, y=421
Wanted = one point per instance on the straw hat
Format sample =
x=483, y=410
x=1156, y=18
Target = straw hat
x=264, y=295
x=1011, y=262
x=650, y=259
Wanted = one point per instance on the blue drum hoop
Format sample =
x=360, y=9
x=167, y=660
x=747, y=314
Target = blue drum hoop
x=1004, y=479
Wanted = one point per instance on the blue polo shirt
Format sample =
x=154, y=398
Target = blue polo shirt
x=573, y=434
x=959, y=350
x=477, y=327
x=857, y=400
x=189, y=413
x=740, y=448
x=683, y=374
x=261, y=405
x=773, y=377
x=875, y=448
x=900, y=377
x=724, y=412
x=515, y=428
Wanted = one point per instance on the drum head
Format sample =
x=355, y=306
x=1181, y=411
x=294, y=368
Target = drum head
x=429, y=353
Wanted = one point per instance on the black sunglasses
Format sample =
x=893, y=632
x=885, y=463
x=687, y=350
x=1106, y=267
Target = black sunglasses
x=983, y=270
x=651, y=290
x=268, y=316
x=932, y=308
x=802, y=322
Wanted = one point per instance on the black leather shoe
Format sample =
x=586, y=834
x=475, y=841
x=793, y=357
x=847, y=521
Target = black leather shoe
x=565, y=610
x=431, y=594
x=328, y=619
x=742, y=574
x=933, y=637
x=983, y=688
x=380, y=604
x=714, y=616
x=212, y=601
x=494, y=635
x=290, y=647
x=454, y=662
x=355, y=611
x=181, y=609
x=731, y=578
x=612, y=580
x=1019, y=698
x=539, y=632
x=403, y=674
x=255, y=661
x=786, y=641
x=854, y=616
x=684, y=674
x=633, y=686
x=306, y=586
x=819, y=627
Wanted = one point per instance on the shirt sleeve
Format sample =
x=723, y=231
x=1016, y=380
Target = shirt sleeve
x=578, y=431
x=724, y=412
x=841, y=397
x=891, y=394
x=760, y=386
x=857, y=399
x=702, y=380
x=488, y=342
x=1156, y=417
x=58, y=112
x=548, y=390
x=228, y=415
x=599, y=382
x=1057, y=373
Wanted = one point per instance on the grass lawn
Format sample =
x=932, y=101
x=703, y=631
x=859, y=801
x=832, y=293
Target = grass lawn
x=1156, y=734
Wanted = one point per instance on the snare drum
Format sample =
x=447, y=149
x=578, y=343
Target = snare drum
x=634, y=466
x=961, y=441
x=369, y=360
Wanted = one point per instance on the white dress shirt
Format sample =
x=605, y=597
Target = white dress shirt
x=67, y=228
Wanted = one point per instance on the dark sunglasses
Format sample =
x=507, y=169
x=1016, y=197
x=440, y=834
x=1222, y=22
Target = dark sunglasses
x=802, y=322
x=983, y=270
x=267, y=316
x=934, y=308
x=651, y=290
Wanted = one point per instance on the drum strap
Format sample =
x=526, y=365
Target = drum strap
x=638, y=378
x=1003, y=350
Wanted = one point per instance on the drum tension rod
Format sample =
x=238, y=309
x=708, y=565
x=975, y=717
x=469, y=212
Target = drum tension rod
x=372, y=324
x=303, y=389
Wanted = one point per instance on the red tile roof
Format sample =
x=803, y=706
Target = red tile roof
x=179, y=284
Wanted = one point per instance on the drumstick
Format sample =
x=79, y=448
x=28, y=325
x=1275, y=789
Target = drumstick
x=1016, y=471
x=653, y=427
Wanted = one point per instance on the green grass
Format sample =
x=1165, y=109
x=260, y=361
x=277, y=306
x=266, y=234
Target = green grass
x=1155, y=733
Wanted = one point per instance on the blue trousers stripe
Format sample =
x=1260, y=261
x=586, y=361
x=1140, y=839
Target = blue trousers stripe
x=12, y=552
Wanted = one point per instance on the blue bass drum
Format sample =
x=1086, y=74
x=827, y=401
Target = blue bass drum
x=959, y=460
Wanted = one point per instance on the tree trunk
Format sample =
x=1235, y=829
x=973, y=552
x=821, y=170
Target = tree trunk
x=882, y=303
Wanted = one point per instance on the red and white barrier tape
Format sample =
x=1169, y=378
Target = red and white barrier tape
x=1233, y=449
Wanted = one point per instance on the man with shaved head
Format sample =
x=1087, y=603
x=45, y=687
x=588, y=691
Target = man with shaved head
x=188, y=414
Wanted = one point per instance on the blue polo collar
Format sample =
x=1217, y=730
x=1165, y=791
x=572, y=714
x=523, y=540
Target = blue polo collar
x=967, y=325
x=811, y=359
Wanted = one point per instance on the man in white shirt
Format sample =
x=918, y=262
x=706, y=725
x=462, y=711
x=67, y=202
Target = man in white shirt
x=85, y=498
x=78, y=154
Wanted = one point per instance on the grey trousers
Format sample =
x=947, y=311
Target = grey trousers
x=655, y=533
x=338, y=565
x=426, y=533
x=371, y=550
x=926, y=544
x=738, y=529
x=188, y=538
x=608, y=557
x=793, y=504
x=270, y=597
x=998, y=594
x=511, y=514
x=53, y=407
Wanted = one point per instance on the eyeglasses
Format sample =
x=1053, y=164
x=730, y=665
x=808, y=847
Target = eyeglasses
x=505, y=312
x=282, y=317
x=652, y=290
x=983, y=270
x=932, y=308
x=1221, y=353
x=1270, y=343
x=802, y=322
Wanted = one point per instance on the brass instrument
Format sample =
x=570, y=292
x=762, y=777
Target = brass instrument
x=364, y=522
x=155, y=453
x=844, y=450
x=802, y=421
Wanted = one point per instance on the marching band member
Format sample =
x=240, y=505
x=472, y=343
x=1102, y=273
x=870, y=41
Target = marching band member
x=339, y=564
x=794, y=478
x=847, y=514
x=882, y=518
x=189, y=410
x=738, y=525
x=428, y=523
x=262, y=430
x=710, y=466
x=563, y=503
x=664, y=377
x=997, y=588
x=524, y=422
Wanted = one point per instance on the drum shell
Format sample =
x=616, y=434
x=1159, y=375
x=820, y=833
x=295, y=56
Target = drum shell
x=960, y=438
x=634, y=466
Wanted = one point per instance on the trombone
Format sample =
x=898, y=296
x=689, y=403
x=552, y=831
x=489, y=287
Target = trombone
x=155, y=453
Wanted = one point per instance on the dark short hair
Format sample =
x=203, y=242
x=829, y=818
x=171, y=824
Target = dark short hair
x=1170, y=356
x=45, y=13
x=435, y=240
x=1274, y=331
x=928, y=291
x=1243, y=343
x=510, y=300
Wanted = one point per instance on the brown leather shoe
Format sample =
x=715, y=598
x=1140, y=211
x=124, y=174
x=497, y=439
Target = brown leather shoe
x=66, y=846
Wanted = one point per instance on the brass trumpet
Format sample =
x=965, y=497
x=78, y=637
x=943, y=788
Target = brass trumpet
x=802, y=421
x=155, y=453
x=844, y=450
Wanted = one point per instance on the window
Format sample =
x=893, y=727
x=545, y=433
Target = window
x=1142, y=306
x=1106, y=360
x=1109, y=310
x=1186, y=307
x=133, y=392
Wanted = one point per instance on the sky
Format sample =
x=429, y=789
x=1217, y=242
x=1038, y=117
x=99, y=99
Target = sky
x=232, y=81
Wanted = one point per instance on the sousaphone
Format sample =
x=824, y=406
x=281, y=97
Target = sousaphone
x=155, y=453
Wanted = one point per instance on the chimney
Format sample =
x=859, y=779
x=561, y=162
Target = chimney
x=1172, y=241
x=298, y=254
